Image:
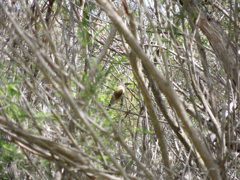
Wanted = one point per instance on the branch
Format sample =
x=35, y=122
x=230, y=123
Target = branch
x=165, y=87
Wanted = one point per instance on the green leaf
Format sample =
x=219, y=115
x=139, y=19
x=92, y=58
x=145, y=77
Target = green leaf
x=12, y=90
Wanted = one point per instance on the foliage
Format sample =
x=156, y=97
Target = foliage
x=62, y=60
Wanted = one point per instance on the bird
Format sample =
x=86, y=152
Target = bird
x=118, y=93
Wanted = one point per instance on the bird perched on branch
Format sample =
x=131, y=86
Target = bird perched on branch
x=118, y=93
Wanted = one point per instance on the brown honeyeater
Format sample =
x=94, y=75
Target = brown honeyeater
x=118, y=93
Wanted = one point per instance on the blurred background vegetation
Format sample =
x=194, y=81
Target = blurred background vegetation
x=61, y=61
